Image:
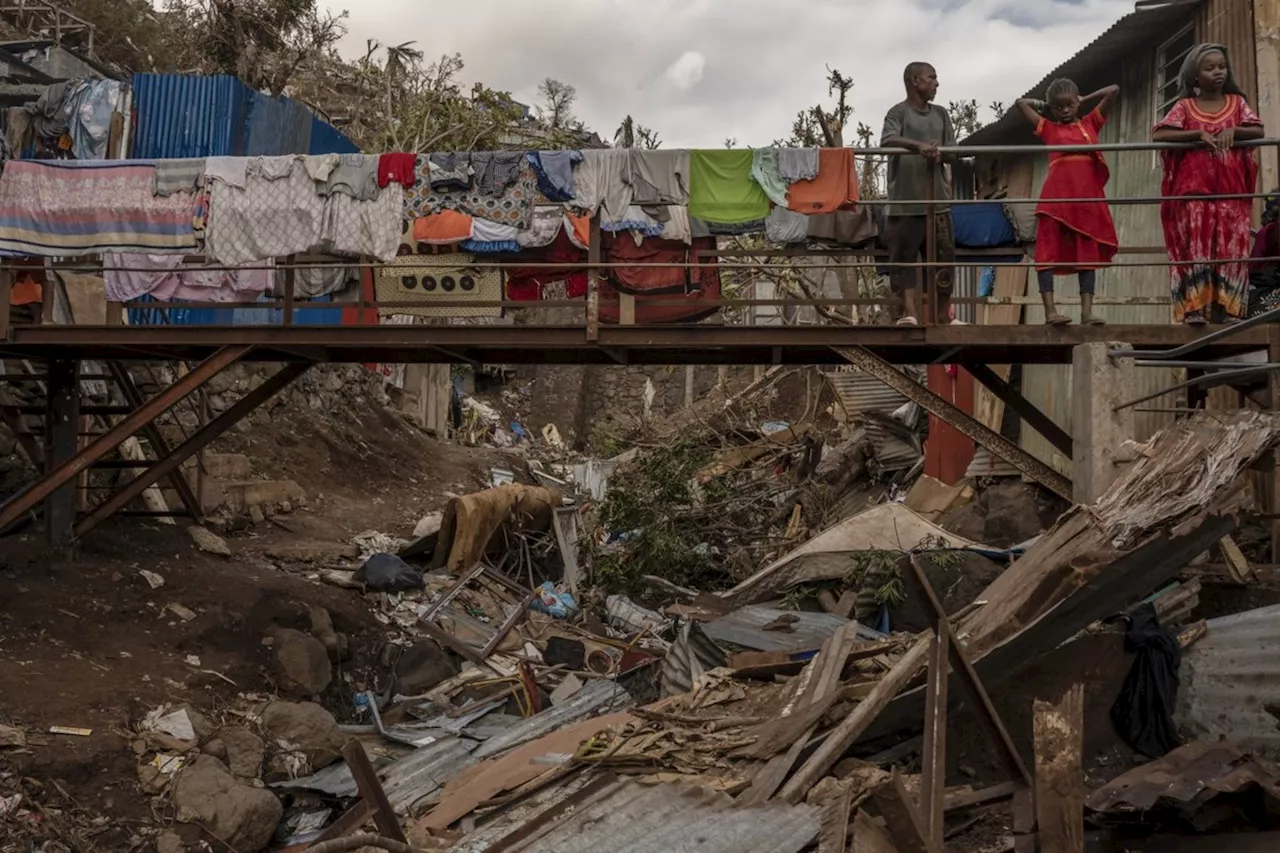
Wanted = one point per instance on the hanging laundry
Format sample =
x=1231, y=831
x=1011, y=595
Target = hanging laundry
x=578, y=229
x=764, y=169
x=721, y=188
x=73, y=208
x=513, y=207
x=443, y=228
x=273, y=217
x=555, y=172
x=677, y=225
x=397, y=167
x=526, y=283
x=449, y=172
x=178, y=176
x=601, y=183
x=547, y=222
x=229, y=170
x=418, y=276
x=80, y=110
x=355, y=175
x=169, y=279
x=312, y=282
x=659, y=177
x=835, y=186
x=637, y=219
x=786, y=226
x=320, y=166
x=798, y=164
x=846, y=227
x=489, y=236
x=496, y=171
x=619, y=249
x=702, y=228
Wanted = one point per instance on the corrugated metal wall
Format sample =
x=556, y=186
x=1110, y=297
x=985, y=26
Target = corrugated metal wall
x=1135, y=173
x=183, y=115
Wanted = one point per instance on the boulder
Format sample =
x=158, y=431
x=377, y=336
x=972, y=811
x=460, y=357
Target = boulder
x=302, y=664
x=306, y=726
x=170, y=842
x=244, y=817
x=244, y=751
x=208, y=541
x=421, y=667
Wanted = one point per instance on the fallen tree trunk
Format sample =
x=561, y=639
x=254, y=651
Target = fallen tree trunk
x=1183, y=495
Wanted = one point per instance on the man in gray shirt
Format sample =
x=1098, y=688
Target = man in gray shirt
x=919, y=125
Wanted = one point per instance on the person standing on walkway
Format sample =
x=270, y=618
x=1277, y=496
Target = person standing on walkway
x=920, y=126
x=1072, y=237
x=1201, y=233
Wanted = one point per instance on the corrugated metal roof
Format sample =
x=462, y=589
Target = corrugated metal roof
x=1095, y=64
x=424, y=771
x=598, y=696
x=631, y=818
x=745, y=627
x=692, y=654
x=1228, y=677
x=327, y=139
x=276, y=126
x=1187, y=778
x=862, y=395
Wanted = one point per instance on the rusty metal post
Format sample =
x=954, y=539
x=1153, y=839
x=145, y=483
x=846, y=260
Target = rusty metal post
x=62, y=436
x=173, y=461
x=290, y=280
x=593, y=281
x=66, y=471
x=928, y=287
x=6, y=294
x=1273, y=386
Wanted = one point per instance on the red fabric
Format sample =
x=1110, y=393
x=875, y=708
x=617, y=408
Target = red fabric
x=401, y=168
x=948, y=452
x=1265, y=245
x=1198, y=231
x=677, y=307
x=524, y=284
x=1075, y=236
x=621, y=248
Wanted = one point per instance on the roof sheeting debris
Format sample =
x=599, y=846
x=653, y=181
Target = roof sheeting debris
x=886, y=527
x=599, y=696
x=631, y=818
x=1230, y=676
x=1187, y=778
x=745, y=627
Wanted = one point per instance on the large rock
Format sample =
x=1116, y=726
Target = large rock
x=244, y=751
x=421, y=667
x=242, y=816
x=209, y=542
x=307, y=727
x=302, y=663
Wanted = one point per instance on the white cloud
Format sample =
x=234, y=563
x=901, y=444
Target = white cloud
x=686, y=72
x=743, y=68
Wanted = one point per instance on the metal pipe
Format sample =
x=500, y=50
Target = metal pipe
x=1209, y=379
x=1272, y=316
x=977, y=150
x=1203, y=365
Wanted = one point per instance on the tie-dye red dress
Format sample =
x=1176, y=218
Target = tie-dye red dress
x=1074, y=235
x=1198, y=231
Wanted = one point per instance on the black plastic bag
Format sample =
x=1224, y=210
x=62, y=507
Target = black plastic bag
x=1143, y=713
x=388, y=573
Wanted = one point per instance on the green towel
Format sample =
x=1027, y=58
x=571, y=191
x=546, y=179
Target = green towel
x=721, y=188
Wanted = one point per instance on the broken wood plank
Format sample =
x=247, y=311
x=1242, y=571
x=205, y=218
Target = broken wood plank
x=834, y=837
x=1192, y=634
x=1237, y=565
x=1024, y=821
x=1059, y=746
x=933, y=768
x=901, y=818
x=869, y=836
x=967, y=798
x=384, y=817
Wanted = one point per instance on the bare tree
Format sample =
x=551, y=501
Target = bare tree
x=631, y=134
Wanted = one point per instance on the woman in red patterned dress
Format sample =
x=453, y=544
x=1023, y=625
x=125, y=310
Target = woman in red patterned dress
x=1072, y=237
x=1212, y=111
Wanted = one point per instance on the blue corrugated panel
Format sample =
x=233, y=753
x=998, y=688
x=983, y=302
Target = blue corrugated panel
x=185, y=115
x=277, y=126
x=162, y=316
x=327, y=139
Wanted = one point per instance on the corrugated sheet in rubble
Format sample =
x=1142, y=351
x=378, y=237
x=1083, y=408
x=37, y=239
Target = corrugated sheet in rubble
x=1187, y=778
x=630, y=818
x=1229, y=676
x=859, y=393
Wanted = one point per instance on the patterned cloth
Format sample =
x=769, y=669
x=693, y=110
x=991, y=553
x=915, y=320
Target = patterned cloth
x=513, y=207
x=167, y=278
x=76, y=208
x=438, y=278
x=286, y=216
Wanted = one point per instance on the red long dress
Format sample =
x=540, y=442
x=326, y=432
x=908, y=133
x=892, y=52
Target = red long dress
x=1076, y=236
x=1195, y=230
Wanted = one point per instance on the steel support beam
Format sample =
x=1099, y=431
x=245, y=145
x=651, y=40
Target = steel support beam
x=173, y=461
x=1009, y=395
x=997, y=444
x=62, y=439
x=63, y=473
x=136, y=400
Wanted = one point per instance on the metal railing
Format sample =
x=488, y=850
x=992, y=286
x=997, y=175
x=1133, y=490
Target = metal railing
x=746, y=266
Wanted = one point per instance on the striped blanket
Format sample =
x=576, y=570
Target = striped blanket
x=84, y=207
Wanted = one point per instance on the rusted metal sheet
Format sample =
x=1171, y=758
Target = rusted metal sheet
x=1187, y=778
x=630, y=818
x=1230, y=676
x=745, y=627
x=871, y=401
x=598, y=697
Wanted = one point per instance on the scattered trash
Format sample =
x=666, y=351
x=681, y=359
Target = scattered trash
x=551, y=436
x=153, y=580
x=567, y=689
x=186, y=614
x=373, y=542
x=388, y=573
x=70, y=730
x=501, y=477
x=8, y=805
x=548, y=600
x=193, y=660
x=173, y=723
x=168, y=764
x=625, y=615
x=12, y=736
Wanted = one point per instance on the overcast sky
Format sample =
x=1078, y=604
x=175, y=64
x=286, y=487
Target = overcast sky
x=699, y=71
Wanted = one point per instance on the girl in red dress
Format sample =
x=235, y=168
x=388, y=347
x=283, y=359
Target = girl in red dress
x=1072, y=237
x=1212, y=111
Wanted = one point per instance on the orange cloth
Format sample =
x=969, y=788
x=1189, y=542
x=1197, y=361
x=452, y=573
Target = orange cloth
x=25, y=291
x=447, y=226
x=581, y=226
x=835, y=186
